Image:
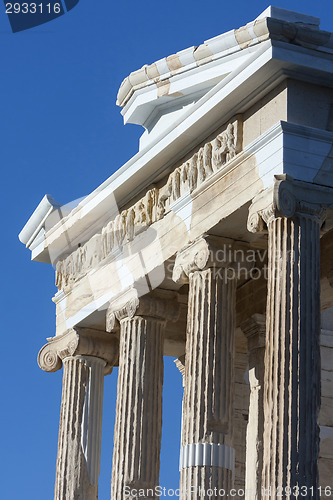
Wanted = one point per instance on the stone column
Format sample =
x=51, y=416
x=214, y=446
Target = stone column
x=85, y=356
x=292, y=360
x=207, y=453
x=254, y=330
x=138, y=426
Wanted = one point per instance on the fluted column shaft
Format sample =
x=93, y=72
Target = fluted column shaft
x=207, y=455
x=138, y=427
x=254, y=330
x=292, y=358
x=86, y=355
x=80, y=430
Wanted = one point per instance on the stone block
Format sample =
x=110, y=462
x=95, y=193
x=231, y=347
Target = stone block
x=325, y=467
x=326, y=412
x=326, y=358
x=326, y=447
x=326, y=384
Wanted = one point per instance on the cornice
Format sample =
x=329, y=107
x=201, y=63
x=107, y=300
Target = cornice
x=262, y=70
x=161, y=72
x=182, y=184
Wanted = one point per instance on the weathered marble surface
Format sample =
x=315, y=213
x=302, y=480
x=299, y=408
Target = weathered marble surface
x=138, y=426
x=293, y=215
x=152, y=207
x=86, y=355
x=209, y=373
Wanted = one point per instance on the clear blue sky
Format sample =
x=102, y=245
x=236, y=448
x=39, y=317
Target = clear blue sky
x=62, y=134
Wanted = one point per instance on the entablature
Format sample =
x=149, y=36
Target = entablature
x=297, y=50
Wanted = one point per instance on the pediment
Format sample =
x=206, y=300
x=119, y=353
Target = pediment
x=161, y=93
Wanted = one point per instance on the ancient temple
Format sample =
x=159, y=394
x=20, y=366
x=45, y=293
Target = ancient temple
x=213, y=245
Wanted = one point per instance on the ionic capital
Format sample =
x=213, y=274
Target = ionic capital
x=204, y=253
x=180, y=363
x=287, y=198
x=159, y=305
x=78, y=341
x=254, y=329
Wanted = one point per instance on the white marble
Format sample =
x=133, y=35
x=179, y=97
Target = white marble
x=225, y=86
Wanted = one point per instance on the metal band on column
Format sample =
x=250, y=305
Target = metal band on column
x=207, y=453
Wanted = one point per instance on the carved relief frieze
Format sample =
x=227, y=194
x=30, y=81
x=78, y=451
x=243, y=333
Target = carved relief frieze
x=185, y=179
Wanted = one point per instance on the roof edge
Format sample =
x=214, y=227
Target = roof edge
x=37, y=219
x=274, y=23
